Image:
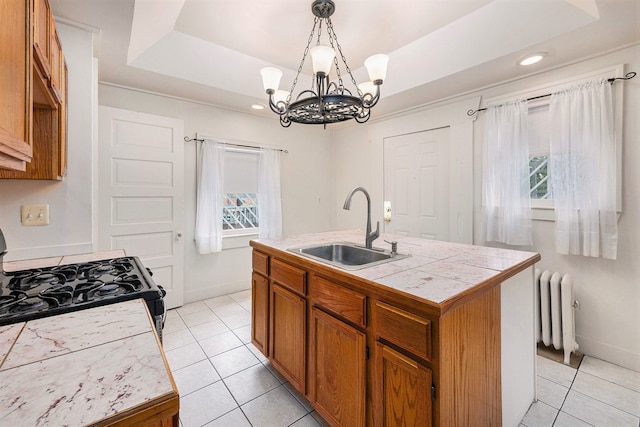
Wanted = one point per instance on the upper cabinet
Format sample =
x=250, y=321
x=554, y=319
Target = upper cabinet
x=38, y=78
x=15, y=84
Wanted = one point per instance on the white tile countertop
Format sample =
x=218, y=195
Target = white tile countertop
x=82, y=367
x=436, y=271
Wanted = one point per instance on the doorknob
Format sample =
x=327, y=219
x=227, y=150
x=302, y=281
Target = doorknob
x=178, y=236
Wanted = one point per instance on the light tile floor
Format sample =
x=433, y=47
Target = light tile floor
x=224, y=380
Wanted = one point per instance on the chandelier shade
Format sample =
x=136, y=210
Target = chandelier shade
x=327, y=101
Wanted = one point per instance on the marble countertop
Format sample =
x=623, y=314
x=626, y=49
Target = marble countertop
x=61, y=260
x=81, y=367
x=436, y=271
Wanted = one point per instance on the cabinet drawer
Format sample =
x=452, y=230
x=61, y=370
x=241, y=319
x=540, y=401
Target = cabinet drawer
x=339, y=300
x=288, y=276
x=406, y=330
x=260, y=263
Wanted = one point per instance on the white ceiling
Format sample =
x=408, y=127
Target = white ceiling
x=212, y=50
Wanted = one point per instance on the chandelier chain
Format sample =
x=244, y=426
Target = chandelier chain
x=332, y=35
x=304, y=55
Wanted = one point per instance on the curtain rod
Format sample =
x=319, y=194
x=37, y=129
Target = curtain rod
x=628, y=76
x=187, y=139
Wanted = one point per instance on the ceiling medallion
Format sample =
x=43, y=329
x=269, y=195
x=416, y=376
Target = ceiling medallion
x=327, y=101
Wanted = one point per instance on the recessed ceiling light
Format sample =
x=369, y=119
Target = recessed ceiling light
x=257, y=106
x=532, y=58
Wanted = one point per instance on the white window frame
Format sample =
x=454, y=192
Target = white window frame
x=543, y=210
x=239, y=238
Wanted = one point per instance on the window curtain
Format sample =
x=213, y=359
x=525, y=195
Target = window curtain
x=583, y=173
x=210, y=177
x=505, y=177
x=269, y=199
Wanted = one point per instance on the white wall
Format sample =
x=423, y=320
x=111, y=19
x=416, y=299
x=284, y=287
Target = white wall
x=70, y=201
x=358, y=161
x=608, y=322
x=306, y=180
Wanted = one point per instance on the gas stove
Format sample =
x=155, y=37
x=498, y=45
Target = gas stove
x=41, y=292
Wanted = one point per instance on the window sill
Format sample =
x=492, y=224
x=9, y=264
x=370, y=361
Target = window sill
x=234, y=241
x=543, y=214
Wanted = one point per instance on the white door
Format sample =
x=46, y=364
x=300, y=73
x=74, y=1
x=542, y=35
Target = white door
x=416, y=183
x=141, y=186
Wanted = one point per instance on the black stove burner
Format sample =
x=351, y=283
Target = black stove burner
x=57, y=295
x=29, y=305
x=49, y=278
x=13, y=298
x=26, y=280
x=109, y=289
x=112, y=267
x=85, y=291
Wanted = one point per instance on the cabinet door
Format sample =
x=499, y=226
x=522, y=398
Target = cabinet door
x=338, y=371
x=260, y=312
x=287, y=314
x=15, y=84
x=402, y=390
x=42, y=36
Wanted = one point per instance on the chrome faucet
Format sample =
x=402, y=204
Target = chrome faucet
x=371, y=236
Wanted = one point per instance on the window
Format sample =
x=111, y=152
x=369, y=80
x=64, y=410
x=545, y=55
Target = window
x=538, y=124
x=240, y=211
x=240, y=200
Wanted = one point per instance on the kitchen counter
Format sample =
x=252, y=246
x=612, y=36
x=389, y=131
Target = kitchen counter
x=456, y=319
x=61, y=260
x=438, y=273
x=100, y=366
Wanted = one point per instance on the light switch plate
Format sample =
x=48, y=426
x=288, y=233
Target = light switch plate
x=34, y=215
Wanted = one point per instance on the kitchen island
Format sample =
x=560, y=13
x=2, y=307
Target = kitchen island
x=101, y=366
x=443, y=337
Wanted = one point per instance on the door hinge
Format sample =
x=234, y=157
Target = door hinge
x=433, y=392
x=367, y=352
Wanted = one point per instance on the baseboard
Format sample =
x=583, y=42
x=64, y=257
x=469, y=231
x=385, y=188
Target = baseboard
x=609, y=353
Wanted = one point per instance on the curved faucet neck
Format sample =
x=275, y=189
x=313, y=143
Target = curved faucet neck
x=371, y=236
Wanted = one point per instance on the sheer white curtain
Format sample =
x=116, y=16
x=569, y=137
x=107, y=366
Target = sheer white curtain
x=582, y=166
x=269, y=199
x=505, y=178
x=210, y=176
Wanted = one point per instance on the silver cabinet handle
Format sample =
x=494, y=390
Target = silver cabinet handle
x=178, y=236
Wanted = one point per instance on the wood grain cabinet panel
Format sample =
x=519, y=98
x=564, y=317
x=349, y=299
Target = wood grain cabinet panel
x=15, y=84
x=260, y=263
x=338, y=371
x=287, y=335
x=289, y=276
x=407, y=330
x=260, y=313
x=43, y=20
x=342, y=301
x=403, y=390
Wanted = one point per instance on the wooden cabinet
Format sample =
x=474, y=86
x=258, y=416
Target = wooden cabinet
x=42, y=23
x=402, y=390
x=338, y=370
x=287, y=337
x=260, y=312
x=427, y=363
x=15, y=84
x=33, y=106
x=260, y=302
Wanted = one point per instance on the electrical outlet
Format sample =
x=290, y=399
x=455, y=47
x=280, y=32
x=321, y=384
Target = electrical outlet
x=34, y=215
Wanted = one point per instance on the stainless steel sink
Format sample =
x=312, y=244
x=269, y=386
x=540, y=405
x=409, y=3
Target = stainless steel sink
x=348, y=256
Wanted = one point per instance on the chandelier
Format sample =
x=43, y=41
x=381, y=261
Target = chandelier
x=327, y=101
